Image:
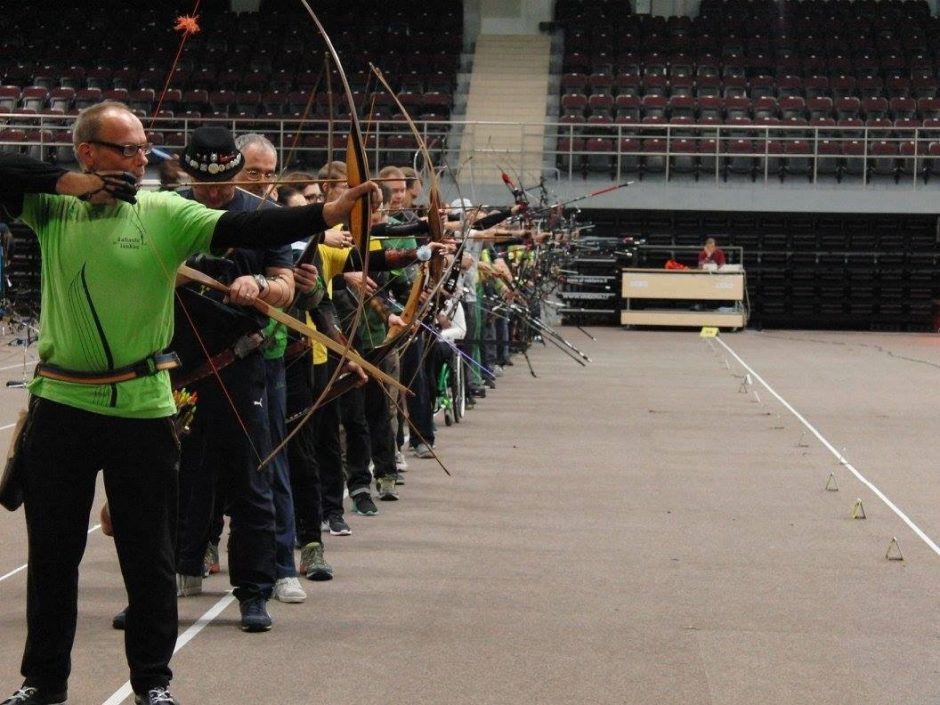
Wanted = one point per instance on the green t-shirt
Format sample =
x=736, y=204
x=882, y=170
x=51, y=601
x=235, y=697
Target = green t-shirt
x=108, y=275
x=276, y=332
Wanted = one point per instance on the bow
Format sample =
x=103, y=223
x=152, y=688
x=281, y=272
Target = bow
x=357, y=172
x=292, y=323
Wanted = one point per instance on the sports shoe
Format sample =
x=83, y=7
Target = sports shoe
x=33, y=696
x=119, y=621
x=386, y=488
x=497, y=371
x=400, y=463
x=255, y=617
x=210, y=563
x=337, y=525
x=289, y=590
x=156, y=696
x=312, y=564
x=423, y=450
x=364, y=506
x=188, y=585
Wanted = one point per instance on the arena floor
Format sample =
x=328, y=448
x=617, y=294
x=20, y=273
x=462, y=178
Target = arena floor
x=651, y=529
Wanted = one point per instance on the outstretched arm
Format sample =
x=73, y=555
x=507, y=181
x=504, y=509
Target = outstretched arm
x=272, y=227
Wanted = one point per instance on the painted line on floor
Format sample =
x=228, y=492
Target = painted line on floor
x=125, y=691
x=841, y=458
x=18, y=364
x=23, y=567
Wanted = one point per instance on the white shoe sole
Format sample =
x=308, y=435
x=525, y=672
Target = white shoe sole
x=291, y=599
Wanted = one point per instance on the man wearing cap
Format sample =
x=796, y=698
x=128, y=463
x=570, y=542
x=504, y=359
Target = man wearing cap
x=101, y=395
x=231, y=432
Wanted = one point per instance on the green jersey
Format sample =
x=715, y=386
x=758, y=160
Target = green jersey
x=108, y=275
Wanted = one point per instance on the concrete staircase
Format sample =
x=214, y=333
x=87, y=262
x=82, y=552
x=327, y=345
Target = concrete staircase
x=509, y=83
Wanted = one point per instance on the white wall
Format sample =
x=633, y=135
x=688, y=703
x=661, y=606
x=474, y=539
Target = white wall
x=505, y=16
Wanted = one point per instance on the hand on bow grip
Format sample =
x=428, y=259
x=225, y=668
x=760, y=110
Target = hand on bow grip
x=114, y=185
x=336, y=211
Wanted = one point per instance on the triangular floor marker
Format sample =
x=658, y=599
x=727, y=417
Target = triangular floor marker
x=831, y=485
x=894, y=551
x=858, y=511
x=800, y=443
x=757, y=398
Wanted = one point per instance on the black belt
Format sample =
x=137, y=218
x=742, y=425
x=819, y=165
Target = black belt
x=150, y=365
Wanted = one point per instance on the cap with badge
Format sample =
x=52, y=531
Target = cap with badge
x=211, y=154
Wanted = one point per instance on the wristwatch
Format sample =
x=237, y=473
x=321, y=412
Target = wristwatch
x=262, y=282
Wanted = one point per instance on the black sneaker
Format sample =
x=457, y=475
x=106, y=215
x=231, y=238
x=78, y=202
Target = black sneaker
x=337, y=525
x=34, y=696
x=364, y=504
x=156, y=696
x=119, y=621
x=255, y=617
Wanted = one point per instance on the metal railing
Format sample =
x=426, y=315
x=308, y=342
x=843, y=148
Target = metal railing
x=48, y=136
x=566, y=151
x=760, y=151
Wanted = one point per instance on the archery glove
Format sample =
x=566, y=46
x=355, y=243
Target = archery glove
x=121, y=185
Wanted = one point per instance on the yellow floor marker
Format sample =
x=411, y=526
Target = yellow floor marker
x=858, y=511
x=831, y=485
x=894, y=551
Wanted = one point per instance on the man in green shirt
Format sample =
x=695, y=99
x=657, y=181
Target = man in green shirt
x=101, y=397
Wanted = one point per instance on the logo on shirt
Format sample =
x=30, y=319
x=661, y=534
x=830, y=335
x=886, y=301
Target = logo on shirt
x=132, y=241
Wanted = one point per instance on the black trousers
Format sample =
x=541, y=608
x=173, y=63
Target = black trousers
x=301, y=451
x=420, y=405
x=326, y=444
x=369, y=433
x=63, y=451
x=218, y=450
x=358, y=442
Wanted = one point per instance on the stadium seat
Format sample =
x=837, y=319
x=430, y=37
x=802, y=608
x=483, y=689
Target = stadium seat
x=684, y=159
x=884, y=159
x=13, y=140
x=654, y=156
x=34, y=98
x=739, y=158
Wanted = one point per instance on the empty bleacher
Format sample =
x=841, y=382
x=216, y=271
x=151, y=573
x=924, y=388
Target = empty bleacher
x=260, y=68
x=810, y=89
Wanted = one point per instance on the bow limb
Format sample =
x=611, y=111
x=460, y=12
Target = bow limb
x=357, y=172
x=437, y=273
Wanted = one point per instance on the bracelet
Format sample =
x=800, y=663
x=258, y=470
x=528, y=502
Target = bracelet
x=262, y=282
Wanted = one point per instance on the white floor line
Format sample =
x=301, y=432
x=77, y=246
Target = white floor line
x=125, y=691
x=9, y=425
x=18, y=364
x=842, y=460
x=23, y=567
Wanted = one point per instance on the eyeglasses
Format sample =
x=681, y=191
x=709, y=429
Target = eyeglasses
x=127, y=150
x=255, y=174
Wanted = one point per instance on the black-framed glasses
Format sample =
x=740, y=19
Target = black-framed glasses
x=255, y=174
x=127, y=150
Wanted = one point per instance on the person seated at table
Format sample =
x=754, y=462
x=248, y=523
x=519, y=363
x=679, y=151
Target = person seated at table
x=711, y=254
